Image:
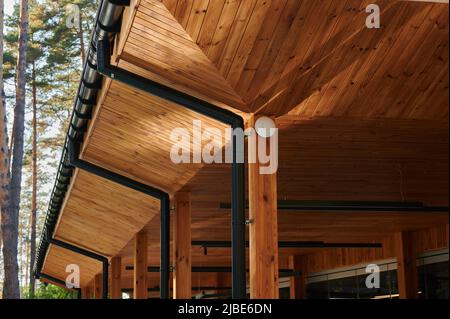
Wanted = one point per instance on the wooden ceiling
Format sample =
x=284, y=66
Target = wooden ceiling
x=132, y=136
x=309, y=57
x=362, y=116
x=329, y=159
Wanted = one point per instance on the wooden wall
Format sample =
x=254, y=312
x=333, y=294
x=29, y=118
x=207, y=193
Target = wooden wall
x=425, y=240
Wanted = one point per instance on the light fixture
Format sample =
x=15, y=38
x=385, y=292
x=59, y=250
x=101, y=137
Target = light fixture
x=265, y=126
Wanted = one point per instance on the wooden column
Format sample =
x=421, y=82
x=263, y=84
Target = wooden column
x=182, y=246
x=140, y=290
x=86, y=292
x=116, y=289
x=98, y=286
x=223, y=280
x=263, y=230
x=406, y=266
x=298, y=283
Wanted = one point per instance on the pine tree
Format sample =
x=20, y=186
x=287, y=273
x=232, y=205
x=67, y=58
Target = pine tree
x=55, y=56
x=10, y=217
x=4, y=149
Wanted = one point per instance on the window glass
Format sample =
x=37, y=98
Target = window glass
x=344, y=288
x=317, y=290
x=383, y=292
x=433, y=277
x=433, y=280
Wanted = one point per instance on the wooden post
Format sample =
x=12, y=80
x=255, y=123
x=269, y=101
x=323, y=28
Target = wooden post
x=140, y=266
x=86, y=292
x=116, y=289
x=298, y=283
x=223, y=280
x=263, y=230
x=98, y=286
x=406, y=266
x=182, y=246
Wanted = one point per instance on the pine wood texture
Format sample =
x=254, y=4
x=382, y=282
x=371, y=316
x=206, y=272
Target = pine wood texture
x=309, y=58
x=98, y=287
x=298, y=283
x=116, y=273
x=263, y=230
x=182, y=246
x=406, y=266
x=140, y=266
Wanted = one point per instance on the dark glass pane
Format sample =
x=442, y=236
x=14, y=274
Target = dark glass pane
x=436, y=280
x=422, y=282
x=433, y=284
x=285, y=293
x=343, y=288
x=384, y=292
x=317, y=290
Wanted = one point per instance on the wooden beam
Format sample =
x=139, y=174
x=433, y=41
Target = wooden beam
x=182, y=246
x=116, y=264
x=406, y=266
x=98, y=286
x=298, y=284
x=263, y=230
x=140, y=266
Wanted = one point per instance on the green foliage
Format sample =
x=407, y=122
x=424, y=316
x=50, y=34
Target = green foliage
x=49, y=292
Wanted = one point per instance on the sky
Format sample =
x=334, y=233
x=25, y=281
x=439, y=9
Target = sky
x=9, y=4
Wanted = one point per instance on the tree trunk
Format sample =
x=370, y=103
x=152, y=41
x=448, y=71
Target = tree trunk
x=81, y=35
x=34, y=187
x=10, y=219
x=4, y=149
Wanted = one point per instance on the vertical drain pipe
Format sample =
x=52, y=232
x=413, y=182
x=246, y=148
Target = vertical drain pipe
x=105, y=68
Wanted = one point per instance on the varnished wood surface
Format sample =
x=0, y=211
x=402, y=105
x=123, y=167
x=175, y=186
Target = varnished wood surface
x=362, y=116
x=312, y=58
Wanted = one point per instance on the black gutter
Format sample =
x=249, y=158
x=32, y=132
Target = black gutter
x=235, y=121
x=86, y=253
x=358, y=206
x=289, y=244
x=163, y=197
x=107, y=24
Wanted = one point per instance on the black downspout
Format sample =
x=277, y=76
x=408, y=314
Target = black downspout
x=74, y=152
x=105, y=68
x=87, y=253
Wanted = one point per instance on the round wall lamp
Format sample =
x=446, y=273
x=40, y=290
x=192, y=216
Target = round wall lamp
x=265, y=126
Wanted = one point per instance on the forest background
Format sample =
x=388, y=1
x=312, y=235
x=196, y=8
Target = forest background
x=43, y=46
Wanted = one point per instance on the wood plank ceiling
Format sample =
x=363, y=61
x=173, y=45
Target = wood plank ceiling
x=362, y=112
x=310, y=57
